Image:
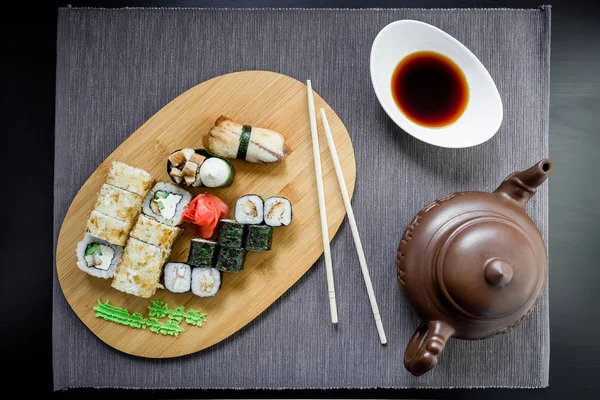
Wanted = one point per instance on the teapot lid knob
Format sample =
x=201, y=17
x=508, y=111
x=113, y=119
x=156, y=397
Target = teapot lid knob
x=488, y=267
x=498, y=272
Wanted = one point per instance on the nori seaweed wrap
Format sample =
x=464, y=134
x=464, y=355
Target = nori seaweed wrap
x=231, y=234
x=230, y=259
x=201, y=253
x=259, y=238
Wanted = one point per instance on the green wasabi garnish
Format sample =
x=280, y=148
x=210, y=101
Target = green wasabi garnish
x=158, y=309
x=193, y=317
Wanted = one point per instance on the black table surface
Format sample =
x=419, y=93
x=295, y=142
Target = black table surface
x=28, y=89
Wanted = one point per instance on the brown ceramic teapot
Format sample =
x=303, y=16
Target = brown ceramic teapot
x=472, y=264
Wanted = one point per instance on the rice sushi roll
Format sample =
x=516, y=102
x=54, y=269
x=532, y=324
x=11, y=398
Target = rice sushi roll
x=111, y=229
x=118, y=203
x=97, y=257
x=165, y=203
x=205, y=281
x=249, y=209
x=278, y=211
x=231, y=234
x=230, y=139
x=230, y=259
x=259, y=238
x=150, y=231
x=129, y=178
x=178, y=277
x=138, y=272
x=201, y=253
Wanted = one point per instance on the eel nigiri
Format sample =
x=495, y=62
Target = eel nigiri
x=230, y=139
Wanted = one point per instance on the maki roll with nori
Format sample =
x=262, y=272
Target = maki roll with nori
x=259, y=238
x=201, y=253
x=230, y=259
x=98, y=257
x=249, y=209
x=231, y=234
x=165, y=203
x=205, y=282
x=178, y=277
x=199, y=168
x=278, y=211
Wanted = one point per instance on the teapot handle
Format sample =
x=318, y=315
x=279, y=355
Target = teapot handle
x=425, y=346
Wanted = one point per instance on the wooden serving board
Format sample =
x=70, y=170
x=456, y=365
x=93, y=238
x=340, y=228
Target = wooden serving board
x=258, y=98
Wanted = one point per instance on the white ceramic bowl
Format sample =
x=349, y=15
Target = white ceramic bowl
x=483, y=114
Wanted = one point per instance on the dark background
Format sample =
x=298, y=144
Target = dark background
x=28, y=60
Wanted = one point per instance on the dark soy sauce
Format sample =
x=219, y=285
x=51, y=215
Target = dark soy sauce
x=430, y=89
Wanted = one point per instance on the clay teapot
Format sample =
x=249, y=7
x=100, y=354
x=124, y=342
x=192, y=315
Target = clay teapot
x=472, y=264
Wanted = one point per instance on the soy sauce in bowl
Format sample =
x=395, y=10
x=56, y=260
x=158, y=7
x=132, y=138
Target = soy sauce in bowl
x=430, y=89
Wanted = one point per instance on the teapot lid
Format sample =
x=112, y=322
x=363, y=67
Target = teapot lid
x=488, y=267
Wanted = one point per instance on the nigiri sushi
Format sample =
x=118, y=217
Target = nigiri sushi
x=230, y=139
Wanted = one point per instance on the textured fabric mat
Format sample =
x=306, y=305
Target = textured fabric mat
x=116, y=68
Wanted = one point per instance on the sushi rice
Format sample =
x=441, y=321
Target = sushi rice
x=205, y=281
x=178, y=277
x=165, y=203
x=100, y=272
x=249, y=209
x=278, y=211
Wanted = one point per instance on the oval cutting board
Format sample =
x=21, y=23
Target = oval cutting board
x=258, y=98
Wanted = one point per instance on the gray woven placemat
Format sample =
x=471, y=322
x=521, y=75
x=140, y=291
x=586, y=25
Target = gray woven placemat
x=116, y=68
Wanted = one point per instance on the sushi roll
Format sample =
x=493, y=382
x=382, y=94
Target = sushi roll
x=201, y=253
x=230, y=139
x=118, y=203
x=230, y=259
x=178, y=277
x=278, y=211
x=150, y=231
x=231, y=234
x=97, y=257
x=165, y=203
x=111, y=229
x=129, y=178
x=138, y=271
x=216, y=172
x=249, y=209
x=205, y=281
x=259, y=238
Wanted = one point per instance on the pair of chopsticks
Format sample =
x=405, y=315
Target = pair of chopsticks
x=323, y=215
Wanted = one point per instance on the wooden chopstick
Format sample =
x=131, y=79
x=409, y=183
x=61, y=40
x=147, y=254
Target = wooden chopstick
x=355, y=235
x=322, y=208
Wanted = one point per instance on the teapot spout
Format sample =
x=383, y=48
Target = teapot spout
x=521, y=186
